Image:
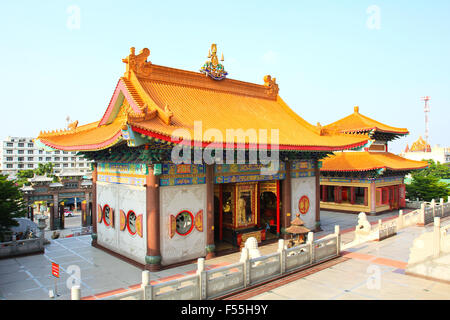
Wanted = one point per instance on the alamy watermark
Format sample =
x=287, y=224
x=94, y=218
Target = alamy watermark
x=374, y=20
x=74, y=17
x=238, y=143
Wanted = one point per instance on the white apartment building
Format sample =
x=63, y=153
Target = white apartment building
x=20, y=153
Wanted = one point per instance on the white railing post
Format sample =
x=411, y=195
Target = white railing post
x=441, y=202
x=400, y=220
x=437, y=237
x=282, y=253
x=310, y=241
x=201, y=273
x=337, y=232
x=75, y=293
x=379, y=228
x=422, y=214
x=246, y=261
x=146, y=286
x=433, y=206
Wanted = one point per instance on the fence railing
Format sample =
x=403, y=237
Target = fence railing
x=209, y=284
x=387, y=229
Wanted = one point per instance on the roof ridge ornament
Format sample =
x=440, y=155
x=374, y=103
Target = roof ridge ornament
x=138, y=63
x=212, y=67
x=271, y=86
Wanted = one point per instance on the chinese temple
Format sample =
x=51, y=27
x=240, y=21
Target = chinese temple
x=370, y=180
x=167, y=187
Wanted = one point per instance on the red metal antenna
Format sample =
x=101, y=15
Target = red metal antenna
x=426, y=110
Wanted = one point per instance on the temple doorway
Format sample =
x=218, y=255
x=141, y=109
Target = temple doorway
x=243, y=210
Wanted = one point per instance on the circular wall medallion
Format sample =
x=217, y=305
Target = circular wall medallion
x=107, y=215
x=131, y=222
x=185, y=222
x=303, y=205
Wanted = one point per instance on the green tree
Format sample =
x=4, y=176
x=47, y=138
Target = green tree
x=23, y=176
x=435, y=169
x=12, y=205
x=44, y=169
x=426, y=188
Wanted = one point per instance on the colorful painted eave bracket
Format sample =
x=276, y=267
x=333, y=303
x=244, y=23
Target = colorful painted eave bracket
x=38, y=143
x=133, y=138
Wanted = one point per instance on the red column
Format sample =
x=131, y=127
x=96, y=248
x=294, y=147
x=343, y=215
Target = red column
x=94, y=204
x=210, y=247
x=278, y=207
x=220, y=212
x=153, y=257
x=352, y=195
x=317, y=175
x=366, y=196
x=286, y=203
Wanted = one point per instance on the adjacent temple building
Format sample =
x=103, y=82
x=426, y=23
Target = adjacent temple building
x=155, y=210
x=371, y=180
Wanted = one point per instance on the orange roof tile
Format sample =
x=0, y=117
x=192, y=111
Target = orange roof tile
x=356, y=122
x=365, y=161
x=174, y=99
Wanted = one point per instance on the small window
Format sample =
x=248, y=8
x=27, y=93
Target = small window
x=30, y=158
x=20, y=145
x=20, y=151
x=30, y=145
x=9, y=144
x=9, y=166
x=9, y=159
x=30, y=151
x=9, y=151
x=30, y=165
x=184, y=221
x=107, y=215
x=131, y=222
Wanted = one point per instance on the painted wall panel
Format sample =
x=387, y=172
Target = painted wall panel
x=173, y=200
x=122, y=197
x=304, y=187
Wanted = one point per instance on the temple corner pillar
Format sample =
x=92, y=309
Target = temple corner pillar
x=94, y=205
x=286, y=201
x=210, y=246
x=317, y=176
x=153, y=255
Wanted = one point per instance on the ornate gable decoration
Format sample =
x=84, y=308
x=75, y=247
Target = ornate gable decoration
x=212, y=67
x=271, y=86
x=138, y=63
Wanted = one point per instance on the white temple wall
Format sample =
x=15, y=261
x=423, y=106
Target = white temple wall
x=305, y=186
x=174, y=199
x=126, y=198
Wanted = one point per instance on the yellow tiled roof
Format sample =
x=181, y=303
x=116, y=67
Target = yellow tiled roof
x=356, y=122
x=365, y=161
x=170, y=99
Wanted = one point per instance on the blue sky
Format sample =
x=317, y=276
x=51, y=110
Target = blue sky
x=327, y=56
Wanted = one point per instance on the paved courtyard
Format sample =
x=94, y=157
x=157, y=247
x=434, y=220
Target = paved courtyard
x=101, y=274
x=375, y=270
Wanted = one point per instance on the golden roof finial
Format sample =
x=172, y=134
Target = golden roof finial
x=212, y=67
x=222, y=59
x=356, y=109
